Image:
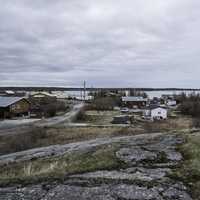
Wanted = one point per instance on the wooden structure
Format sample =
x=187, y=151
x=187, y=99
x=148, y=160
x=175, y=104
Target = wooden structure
x=121, y=119
x=13, y=107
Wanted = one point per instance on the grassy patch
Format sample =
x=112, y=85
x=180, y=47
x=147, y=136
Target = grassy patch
x=58, y=135
x=189, y=171
x=77, y=162
x=99, y=117
x=32, y=137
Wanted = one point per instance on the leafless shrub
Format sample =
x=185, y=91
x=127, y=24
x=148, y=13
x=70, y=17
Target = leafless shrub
x=196, y=123
x=104, y=103
x=190, y=105
x=24, y=141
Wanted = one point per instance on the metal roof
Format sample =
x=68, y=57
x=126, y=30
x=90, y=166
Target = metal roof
x=152, y=107
x=9, y=92
x=7, y=101
x=42, y=94
x=133, y=99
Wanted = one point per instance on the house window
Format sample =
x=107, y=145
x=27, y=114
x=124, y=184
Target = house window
x=13, y=107
x=159, y=113
x=16, y=107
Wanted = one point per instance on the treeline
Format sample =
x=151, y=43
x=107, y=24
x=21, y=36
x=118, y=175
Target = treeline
x=190, y=105
x=47, y=107
x=105, y=103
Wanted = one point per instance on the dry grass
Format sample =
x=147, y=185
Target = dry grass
x=57, y=168
x=189, y=171
x=63, y=135
x=75, y=134
x=177, y=124
x=105, y=118
x=102, y=158
x=51, y=136
x=99, y=117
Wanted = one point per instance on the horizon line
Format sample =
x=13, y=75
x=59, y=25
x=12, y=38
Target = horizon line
x=94, y=88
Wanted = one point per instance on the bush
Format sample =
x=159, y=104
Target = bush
x=50, y=110
x=105, y=103
x=81, y=115
x=47, y=107
x=191, y=106
x=61, y=106
x=27, y=140
x=196, y=123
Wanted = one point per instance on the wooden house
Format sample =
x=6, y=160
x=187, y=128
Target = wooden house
x=14, y=107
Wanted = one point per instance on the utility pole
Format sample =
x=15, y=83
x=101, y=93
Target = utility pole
x=84, y=94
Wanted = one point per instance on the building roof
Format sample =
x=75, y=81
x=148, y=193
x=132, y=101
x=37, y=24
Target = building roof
x=138, y=99
x=42, y=94
x=7, y=101
x=9, y=92
x=152, y=107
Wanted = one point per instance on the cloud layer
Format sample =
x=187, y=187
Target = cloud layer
x=121, y=43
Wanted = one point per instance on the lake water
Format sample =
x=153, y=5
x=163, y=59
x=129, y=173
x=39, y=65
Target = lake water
x=158, y=94
x=151, y=94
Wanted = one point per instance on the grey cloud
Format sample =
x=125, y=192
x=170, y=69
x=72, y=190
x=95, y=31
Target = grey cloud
x=108, y=43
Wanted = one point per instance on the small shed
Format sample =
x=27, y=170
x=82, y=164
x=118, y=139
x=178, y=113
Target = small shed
x=14, y=107
x=155, y=113
x=121, y=119
x=171, y=102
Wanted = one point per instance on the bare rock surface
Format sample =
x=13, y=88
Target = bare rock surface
x=130, y=174
x=149, y=160
x=59, y=150
x=134, y=155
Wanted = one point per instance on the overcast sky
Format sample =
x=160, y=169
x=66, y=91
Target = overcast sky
x=138, y=43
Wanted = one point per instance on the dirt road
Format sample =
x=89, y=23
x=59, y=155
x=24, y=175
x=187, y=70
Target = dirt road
x=22, y=125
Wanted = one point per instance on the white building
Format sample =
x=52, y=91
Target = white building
x=42, y=94
x=10, y=92
x=155, y=113
x=171, y=102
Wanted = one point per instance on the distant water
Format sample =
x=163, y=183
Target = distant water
x=158, y=94
x=71, y=93
x=150, y=94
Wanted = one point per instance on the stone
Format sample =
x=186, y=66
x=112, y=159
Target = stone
x=65, y=192
x=131, y=174
x=174, y=193
x=132, y=192
x=134, y=155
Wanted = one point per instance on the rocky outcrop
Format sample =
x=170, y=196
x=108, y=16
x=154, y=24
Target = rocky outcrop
x=148, y=159
x=134, y=155
x=103, y=192
x=129, y=174
x=59, y=150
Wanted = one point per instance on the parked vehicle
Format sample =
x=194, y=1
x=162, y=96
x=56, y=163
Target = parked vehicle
x=124, y=110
